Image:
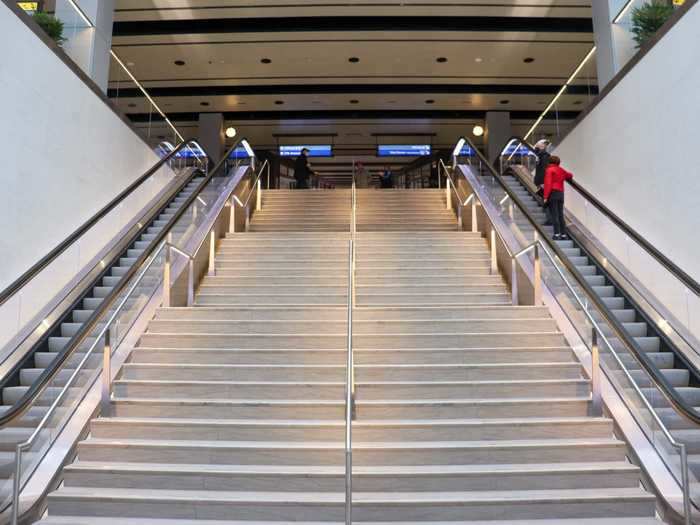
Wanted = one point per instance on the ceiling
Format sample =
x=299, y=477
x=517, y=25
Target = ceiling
x=352, y=68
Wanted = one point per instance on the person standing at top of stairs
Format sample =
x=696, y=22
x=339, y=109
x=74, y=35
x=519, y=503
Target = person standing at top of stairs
x=302, y=170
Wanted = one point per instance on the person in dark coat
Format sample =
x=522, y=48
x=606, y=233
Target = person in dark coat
x=302, y=170
x=543, y=157
x=386, y=179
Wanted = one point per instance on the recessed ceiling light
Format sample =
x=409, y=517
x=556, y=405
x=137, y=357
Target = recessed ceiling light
x=266, y=61
x=179, y=62
x=578, y=102
x=130, y=64
x=441, y=60
x=353, y=60
x=161, y=137
x=354, y=101
x=132, y=105
x=478, y=131
x=505, y=101
x=478, y=60
x=528, y=60
x=279, y=102
x=430, y=101
x=230, y=132
x=205, y=104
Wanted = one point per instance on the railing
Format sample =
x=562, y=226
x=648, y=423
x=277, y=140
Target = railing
x=349, y=388
x=664, y=261
x=605, y=330
x=255, y=189
x=35, y=269
x=111, y=318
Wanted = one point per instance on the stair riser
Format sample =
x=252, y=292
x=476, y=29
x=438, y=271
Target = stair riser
x=226, y=391
x=361, y=457
x=338, y=357
x=363, y=328
x=249, y=411
x=361, y=483
x=362, y=374
x=271, y=300
x=361, y=433
x=433, y=299
x=496, y=390
x=360, y=342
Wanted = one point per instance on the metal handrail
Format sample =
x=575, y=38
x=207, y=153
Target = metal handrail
x=40, y=385
x=558, y=259
x=258, y=182
x=680, y=404
x=36, y=268
x=664, y=261
x=26, y=445
x=349, y=388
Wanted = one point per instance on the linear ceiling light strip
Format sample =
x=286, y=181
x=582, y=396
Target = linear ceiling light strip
x=81, y=13
x=145, y=93
x=561, y=91
x=622, y=12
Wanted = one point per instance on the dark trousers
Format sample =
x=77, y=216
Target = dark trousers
x=556, y=212
x=302, y=184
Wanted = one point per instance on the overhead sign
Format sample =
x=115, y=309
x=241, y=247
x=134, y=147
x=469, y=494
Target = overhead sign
x=403, y=150
x=317, y=150
x=29, y=7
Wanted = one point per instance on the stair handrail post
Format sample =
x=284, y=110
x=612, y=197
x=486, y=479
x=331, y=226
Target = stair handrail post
x=106, y=401
x=596, y=393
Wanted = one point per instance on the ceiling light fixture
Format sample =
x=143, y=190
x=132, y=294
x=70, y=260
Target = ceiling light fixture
x=561, y=91
x=505, y=101
x=478, y=131
x=279, y=102
x=430, y=101
x=441, y=60
x=230, y=132
x=528, y=60
x=354, y=101
x=478, y=60
x=205, y=104
x=265, y=61
x=179, y=62
x=353, y=60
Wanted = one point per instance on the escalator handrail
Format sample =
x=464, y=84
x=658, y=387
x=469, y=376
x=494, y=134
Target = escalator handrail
x=664, y=261
x=47, y=259
x=669, y=391
x=37, y=387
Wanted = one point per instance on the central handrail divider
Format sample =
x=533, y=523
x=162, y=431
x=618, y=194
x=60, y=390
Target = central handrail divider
x=39, y=386
x=36, y=268
x=664, y=261
x=350, y=365
x=559, y=258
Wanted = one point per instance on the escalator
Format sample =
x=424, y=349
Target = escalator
x=51, y=373
x=678, y=370
x=654, y=376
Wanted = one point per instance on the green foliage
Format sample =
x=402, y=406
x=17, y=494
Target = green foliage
x=647, y=20
x=51, y=25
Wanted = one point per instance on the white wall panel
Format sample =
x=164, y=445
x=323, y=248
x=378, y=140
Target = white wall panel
x=635, y=151
x=67, y=154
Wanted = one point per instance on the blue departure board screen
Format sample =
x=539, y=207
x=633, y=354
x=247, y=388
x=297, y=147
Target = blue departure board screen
x=317, y=150
x=403, y=150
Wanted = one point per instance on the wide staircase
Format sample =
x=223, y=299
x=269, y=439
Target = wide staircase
x=468, y=409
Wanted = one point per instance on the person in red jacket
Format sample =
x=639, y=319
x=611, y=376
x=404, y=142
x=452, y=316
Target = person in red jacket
x=554, y=179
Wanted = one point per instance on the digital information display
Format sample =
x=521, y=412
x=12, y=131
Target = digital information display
x=517, y=150
x=404, y=150
x=317, y=150
x=466, y=152
x=239, y=153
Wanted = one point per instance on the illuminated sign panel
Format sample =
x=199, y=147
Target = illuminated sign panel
x=318, y=150
x=403, y=150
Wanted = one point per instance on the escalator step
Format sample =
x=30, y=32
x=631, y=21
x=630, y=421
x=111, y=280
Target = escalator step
x=80, y=316
x=101, y=291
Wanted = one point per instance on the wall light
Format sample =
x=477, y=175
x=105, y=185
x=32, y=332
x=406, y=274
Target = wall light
x=230, y=132
x=478, y=131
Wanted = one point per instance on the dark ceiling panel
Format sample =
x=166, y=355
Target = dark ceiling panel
x=328, y=89
x=344, y=115
x=353, y=23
